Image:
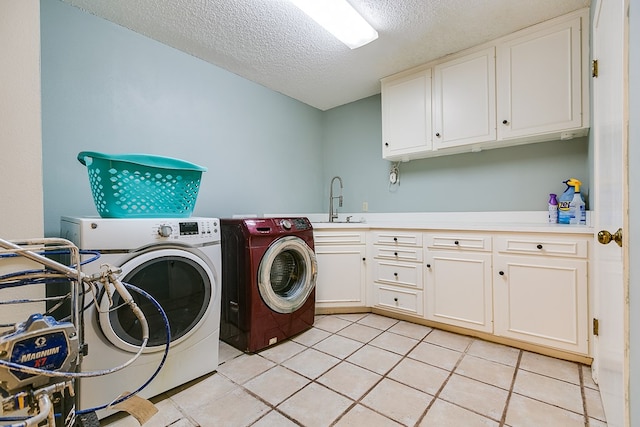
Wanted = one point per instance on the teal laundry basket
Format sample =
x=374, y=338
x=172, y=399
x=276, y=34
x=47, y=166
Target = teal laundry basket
x=142, y=185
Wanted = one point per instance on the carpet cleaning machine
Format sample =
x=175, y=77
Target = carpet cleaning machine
x=41, y=356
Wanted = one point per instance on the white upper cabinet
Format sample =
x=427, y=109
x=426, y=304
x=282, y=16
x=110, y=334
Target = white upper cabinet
x=540, y=86
x=406, y=111
x=464, y=100
x=530, y=86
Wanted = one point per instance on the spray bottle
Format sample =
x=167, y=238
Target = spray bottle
x=571, y=207
x=564, y=215
x=577, y=207
x=553, y=209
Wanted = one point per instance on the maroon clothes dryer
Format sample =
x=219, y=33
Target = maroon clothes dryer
x=269, y=274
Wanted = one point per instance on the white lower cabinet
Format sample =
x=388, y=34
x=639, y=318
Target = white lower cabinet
x=458, y=280
x=529, y=288
x=541, y=291
x=341, y=258
x=397, y=271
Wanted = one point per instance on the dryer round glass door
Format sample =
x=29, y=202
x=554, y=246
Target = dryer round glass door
x=287, y=274
x=179, y=280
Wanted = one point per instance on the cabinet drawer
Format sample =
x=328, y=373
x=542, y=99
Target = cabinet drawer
x=397, y=238
x=406, y=300
x=339, y=237
x=542, y=245
x=396, y=273
x=458, y=241
x=399, y=253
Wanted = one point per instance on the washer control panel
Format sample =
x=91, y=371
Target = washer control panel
x=133, y=233
x=188, y=229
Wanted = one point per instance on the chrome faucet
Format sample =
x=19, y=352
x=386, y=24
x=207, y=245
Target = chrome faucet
x=334, y=215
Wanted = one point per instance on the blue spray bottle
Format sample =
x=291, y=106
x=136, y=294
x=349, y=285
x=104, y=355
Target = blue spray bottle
x=564, y=215
x=571, y=207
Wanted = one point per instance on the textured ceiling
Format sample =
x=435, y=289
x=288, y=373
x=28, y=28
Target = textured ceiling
x=274, y=44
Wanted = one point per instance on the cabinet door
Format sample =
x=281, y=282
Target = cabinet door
x=406, y=116
x=458, y=289
x=542, y=300
x=464, y=100
x=540, y=82
x=341, y=276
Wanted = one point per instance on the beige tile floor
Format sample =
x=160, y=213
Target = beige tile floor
x=370, y=370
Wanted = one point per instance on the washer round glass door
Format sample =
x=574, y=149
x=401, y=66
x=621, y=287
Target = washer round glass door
x=287, y=274
x=179, y=280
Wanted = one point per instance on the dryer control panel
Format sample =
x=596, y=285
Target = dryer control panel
x=272, y=226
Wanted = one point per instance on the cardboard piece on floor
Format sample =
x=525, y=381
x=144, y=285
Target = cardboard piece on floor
x=139, y=408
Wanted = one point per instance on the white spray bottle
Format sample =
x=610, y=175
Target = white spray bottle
x=578, y=214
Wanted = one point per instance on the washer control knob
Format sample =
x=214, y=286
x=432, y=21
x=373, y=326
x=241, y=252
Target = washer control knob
x=165, y=230
x=286, y=224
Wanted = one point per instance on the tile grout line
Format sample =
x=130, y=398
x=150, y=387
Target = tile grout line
x=385, y=375
x=442, y=386
x=503, y=418
x=583, y=395
x=561, y=380
x=463, y=354
x=258, y=397
x=404, y=357
x=382, y=376
x=313, y=381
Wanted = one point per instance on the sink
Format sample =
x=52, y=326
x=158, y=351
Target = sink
x=339, y=222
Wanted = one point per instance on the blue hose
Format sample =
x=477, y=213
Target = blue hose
x=96, y=255
x=164, y=356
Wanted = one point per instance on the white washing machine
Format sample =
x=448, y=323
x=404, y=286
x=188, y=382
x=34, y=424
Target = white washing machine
x=178, y=262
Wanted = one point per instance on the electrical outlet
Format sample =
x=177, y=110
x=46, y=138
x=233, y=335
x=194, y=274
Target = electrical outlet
x=394, y=174
x=365, y=207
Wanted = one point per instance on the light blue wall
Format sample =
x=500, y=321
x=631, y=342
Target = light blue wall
x=505, y=179
x=105, y=88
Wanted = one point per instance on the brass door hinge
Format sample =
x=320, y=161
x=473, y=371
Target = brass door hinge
x=595, y=327
x=594, y=68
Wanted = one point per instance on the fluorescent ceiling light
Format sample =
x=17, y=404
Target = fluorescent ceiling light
x=340, y=19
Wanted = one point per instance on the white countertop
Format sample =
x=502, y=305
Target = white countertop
x=525, y=221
